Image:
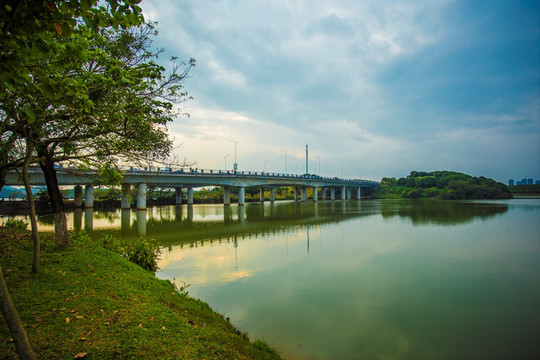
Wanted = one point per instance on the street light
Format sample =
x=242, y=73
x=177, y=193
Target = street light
x=235, y=163
x=285, y=160
x=318, y=157
x=226, y=161
x=264, y=166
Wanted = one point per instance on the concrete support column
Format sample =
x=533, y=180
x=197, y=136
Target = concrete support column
x=295, y=193
x=88, y=220
x=315, y=195
x=179, y=194
x=141, y=196
x=89, y=197
x=349, y=193
x=323, y=194
x=241, y=195
x=358, y=193
x=343, y=193
x=125, y=203
x=332, y=193
x=190, y=196
x=272, y=195
x=304, y=193
x=226, y=195
x=261, y=194
x=78, y=196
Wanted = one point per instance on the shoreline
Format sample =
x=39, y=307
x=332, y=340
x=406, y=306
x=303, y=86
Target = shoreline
x=89, y=300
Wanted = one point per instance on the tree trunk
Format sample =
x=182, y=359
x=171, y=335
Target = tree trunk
x=57, y=204
x=3, y=174
x=33, y=221
x=24, y=350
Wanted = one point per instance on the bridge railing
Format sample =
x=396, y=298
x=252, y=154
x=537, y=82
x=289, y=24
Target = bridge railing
x=207, y=172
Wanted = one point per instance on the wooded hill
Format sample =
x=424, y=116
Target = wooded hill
x=445, y=185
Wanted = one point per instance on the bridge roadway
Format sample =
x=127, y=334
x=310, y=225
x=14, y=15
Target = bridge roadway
x=190, y=179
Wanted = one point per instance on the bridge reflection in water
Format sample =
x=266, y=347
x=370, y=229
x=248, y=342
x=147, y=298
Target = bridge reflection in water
x=187, y=223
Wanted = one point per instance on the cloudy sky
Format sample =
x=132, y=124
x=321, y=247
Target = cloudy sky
x=376, y=88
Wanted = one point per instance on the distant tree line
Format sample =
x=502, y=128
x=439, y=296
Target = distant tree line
x=533, y=189
x=445, y=185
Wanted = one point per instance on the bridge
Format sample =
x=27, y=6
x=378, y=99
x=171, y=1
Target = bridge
x=195, y=178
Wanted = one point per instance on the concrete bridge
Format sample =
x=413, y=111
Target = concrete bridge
x=190, y=179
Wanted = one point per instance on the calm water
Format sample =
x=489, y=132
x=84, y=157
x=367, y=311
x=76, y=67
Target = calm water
x=357, y=280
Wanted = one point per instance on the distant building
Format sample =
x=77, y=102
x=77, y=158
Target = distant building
x=511, y=182
x=530, y=182
x=537, y=182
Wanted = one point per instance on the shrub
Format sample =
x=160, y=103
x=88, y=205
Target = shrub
x=78, y=238
x=143, y=254
x=13, y=223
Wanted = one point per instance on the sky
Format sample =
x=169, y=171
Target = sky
x=375, y=88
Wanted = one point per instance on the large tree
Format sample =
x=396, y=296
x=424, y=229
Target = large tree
x=115, y=101
x=25, y=49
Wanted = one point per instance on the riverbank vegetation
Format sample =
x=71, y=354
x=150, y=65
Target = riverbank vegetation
x=90, y=302
x=445, y=185
x=525, y=190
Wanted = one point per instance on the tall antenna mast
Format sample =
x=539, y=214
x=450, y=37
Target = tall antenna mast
x=307, y=172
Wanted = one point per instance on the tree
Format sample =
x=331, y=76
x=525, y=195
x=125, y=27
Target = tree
x=90, y=97
x=24, y=50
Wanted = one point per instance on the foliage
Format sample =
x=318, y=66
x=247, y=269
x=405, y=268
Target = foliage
x=143, y=254
x=533, y=189
x=446, y=185
x=92, y=97
x=14, y=223
x=79, y=238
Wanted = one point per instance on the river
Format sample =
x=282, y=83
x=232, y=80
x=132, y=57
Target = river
x=371, y=279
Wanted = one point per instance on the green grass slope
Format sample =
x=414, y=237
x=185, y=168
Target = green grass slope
x=90, y=302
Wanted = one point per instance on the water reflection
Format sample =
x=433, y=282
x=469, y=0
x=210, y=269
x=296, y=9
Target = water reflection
x=357, y=279
x=423, y=212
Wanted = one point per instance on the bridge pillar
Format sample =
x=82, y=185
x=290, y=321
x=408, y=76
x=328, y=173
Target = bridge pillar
x=190, y=196
x=304, y=193
x=315, y=195
x=179, y=194
x=226, y=195
x=88, y=220
x=241, y=195
x=295, y=193
x=358, y=193
x=89, y=197
x=343, y=193
x=272, y=195
x=261, y=194
x=323, y=194
x=77, y=199
x=141, y=196
x=332, y=193
x=349, y=194
x=126, y=203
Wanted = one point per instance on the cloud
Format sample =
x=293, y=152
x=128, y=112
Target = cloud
x=365, y=82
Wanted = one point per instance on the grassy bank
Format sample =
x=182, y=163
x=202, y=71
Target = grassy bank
x=89, y=300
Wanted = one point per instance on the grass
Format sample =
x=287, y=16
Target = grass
x=89, y=300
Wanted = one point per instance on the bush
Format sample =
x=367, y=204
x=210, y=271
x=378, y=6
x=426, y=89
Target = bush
x=18, y=224
x=143, y=254
x=79, y=238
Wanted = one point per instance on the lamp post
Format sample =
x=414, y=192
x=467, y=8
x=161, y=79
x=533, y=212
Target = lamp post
x=264, y=165
x=235, y=163
x=341, y=162
x=226, y=161
x=318, y=157
x=285, y=160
